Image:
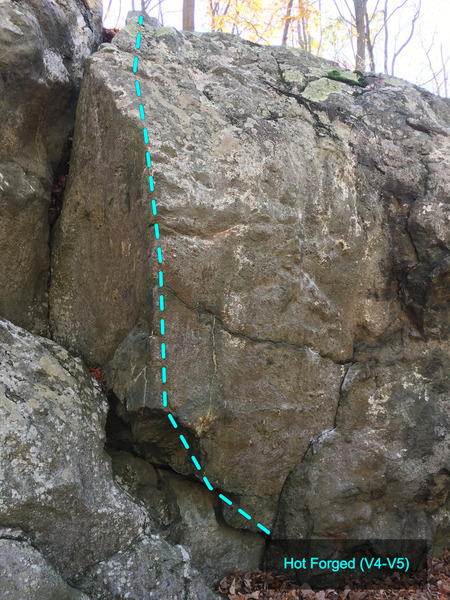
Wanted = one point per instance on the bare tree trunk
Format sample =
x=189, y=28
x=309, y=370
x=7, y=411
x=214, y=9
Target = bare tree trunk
x=386, y=37
x=300, y=36
x=120, y=10
x=320, y=27
x=369, y=42
x=105, y=16
x=305, y=35
x=160, y=13
x=444, y=72
x=188, y=15
x=360, y=9
x=287, y=23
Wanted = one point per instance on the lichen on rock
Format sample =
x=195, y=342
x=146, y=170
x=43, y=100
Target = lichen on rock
x=303, y=213
x=293, y=234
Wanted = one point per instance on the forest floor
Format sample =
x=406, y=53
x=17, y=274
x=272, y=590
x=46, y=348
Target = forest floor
x=264, y=586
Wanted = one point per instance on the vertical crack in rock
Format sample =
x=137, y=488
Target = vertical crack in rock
x=205, y=422
x=411, y=237
x=283, y=199
x=44, y=48
x=313, y=448
x=60, y=177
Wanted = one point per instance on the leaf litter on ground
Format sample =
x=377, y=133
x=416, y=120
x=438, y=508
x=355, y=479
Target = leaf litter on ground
x=258, y=585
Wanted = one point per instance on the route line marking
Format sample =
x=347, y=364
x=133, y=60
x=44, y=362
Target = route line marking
x=161, y=297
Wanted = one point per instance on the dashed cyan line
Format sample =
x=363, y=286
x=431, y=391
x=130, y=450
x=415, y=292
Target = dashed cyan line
x=161, y=296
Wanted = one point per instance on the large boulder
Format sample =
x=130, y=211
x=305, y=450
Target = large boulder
x=58, y=483
x=304, y=248
x=84, y=532
x=43, y=48
x=383, y=470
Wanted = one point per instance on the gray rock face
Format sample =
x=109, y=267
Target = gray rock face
x=385, y=463
x=185, y=512
x=85, y=535
x=151, y=568
x=305, y=243
x=43, y=47
x=215, y=547
x=58, y=483
x=26, y=575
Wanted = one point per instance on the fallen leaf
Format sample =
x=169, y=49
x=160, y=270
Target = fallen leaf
x=358, y=595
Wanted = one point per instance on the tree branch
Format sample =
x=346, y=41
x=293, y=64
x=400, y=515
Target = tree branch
x=413, y=23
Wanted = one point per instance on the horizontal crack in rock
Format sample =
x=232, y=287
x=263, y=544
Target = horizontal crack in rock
x=254, y=340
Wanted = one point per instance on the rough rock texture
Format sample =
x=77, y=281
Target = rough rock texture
x=151, y=568
x=58, y=483
x=386, y=463
x=58, y=486
x=305, y=242
x=215, y=547
x=185, y=513
x=26, y=575
x=43, y=48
